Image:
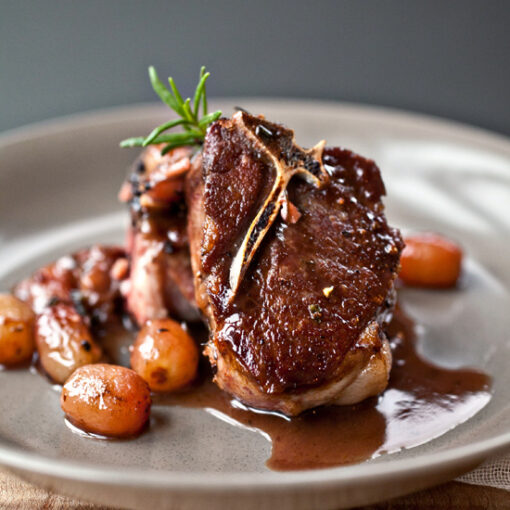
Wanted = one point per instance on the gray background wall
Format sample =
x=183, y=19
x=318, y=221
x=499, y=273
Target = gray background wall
x=447, y=58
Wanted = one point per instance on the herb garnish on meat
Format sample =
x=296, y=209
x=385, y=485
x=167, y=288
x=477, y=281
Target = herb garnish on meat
x=188, y=110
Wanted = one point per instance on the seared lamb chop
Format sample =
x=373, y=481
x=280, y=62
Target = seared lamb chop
x=294, y=267
x=160, y=282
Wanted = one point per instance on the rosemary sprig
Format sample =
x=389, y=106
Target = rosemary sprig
x=188, y=111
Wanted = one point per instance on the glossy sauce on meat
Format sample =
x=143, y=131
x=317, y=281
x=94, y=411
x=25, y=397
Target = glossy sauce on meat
x=422, y=401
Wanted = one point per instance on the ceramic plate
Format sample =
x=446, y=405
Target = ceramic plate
x=58, y=187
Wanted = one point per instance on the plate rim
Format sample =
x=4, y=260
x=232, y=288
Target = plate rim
x=182, y=481
x=15, y=458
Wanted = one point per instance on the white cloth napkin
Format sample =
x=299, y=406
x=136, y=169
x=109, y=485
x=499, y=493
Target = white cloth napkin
x=492, y=473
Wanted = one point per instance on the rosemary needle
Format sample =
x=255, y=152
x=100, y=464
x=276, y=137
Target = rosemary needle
x=194, y=125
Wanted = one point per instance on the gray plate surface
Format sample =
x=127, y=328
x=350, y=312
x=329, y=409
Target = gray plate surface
x=58, y=186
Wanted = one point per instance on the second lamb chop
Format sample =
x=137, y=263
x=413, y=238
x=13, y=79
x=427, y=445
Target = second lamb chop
x=159, y=282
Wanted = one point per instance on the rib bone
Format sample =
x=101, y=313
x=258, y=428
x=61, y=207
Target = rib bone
x=288, y=160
